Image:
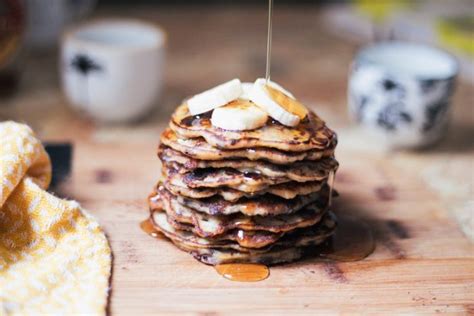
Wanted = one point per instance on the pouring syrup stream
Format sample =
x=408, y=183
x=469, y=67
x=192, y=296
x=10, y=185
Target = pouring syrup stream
x=269, y=40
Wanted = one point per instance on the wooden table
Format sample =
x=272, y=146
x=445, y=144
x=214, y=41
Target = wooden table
x=416, y=202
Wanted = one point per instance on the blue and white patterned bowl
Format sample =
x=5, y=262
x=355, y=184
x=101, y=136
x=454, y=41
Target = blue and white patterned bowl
x=402, y=91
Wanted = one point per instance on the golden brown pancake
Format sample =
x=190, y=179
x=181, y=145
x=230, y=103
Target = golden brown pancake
x=263, y=206
x=198, y=148
x=276, y=255
x=235, y=239
x=223, y=177
x=302, y=171
x=206, y=225
x=288, y=190
x=309, y=134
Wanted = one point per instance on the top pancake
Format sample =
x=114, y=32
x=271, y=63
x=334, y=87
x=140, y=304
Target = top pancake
x=310, y=134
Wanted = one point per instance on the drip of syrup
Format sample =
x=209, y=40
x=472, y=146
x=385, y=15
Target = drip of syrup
x=149, y=229
x=332, y=178
x=243, y=272
x=352, y=241
x=269, y=41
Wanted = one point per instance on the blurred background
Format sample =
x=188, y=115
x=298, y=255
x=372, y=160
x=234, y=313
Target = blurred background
x=212, y=41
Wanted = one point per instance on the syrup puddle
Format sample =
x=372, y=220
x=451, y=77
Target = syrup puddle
x=243, y=272
x=149, y=229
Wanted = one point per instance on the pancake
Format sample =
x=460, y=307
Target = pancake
x=298, y=238
x=206, y=225
x=274, y=256
x=223, y=177
x=302, y=171
x=288, y=190
x=198, y=148
x=310, y=134
x=234, y=239
x=290, y=247
x=155, y=201
x=265, y=205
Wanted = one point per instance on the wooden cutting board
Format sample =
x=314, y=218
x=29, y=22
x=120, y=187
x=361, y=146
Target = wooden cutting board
x=422, y=262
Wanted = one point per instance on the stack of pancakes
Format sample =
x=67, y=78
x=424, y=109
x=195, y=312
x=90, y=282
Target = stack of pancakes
x=256, y=196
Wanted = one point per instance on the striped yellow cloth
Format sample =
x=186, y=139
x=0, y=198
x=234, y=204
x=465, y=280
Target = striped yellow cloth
x=54, y=257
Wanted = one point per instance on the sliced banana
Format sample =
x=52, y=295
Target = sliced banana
x=288, y=103
x=277, y=102
x=248, y=86
x=215, y=97
x=239, y=115
x=246, y=89
x=276, y=86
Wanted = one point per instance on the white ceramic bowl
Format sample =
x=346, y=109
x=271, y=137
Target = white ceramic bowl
x=113, y=69
x=401, y=92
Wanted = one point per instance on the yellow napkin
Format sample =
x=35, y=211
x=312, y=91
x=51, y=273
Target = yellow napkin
x=54, y=257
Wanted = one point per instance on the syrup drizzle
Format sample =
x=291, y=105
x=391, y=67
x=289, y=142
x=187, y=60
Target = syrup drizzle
x=269, y=40
x=243, y=272
x=331, y=179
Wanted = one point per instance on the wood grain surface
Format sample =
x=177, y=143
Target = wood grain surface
x=419, y=204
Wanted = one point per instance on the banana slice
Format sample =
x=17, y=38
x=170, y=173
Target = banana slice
x=276, y=86
x=239, y=115
x=288, y=103
x=246, y=88
x=215, y=97
x=277, y=102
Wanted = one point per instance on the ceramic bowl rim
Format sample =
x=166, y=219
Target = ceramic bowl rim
x=71, y=36
x=363, y=54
